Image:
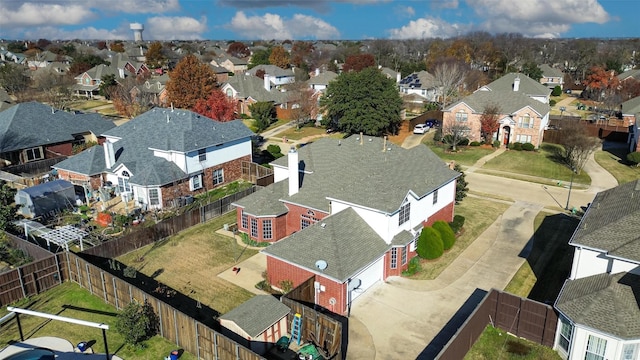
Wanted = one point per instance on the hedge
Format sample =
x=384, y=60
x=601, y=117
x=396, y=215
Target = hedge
x=528, y=147
x=446, y=234
x=457, y=223
x=430, y=244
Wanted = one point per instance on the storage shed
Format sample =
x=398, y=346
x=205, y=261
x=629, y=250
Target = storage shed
x=45, y=199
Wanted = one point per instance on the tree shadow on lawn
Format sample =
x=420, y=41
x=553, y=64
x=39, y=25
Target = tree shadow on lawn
x=554, y=153
x=617, y=152
x=551, y=256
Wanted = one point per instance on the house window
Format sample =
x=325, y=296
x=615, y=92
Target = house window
x=254, y=228
x=405, y=250
x=123, y=183
x=202, y=155
x=230, y=93
x=394, y=258
x=267, y=232
x=526, y=122
x=245, y=221
x=306, y=220
x=405, y=212
x=154, y=197
x=461, y=116
x=630, y=351
x=435, y=197
x=523, y=138
x=33, y=154
x=218, y=176
x=595, y=348
x=565, y=334
x=196, y=182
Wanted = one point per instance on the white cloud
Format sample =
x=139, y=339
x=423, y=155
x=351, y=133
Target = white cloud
x=54, y=33
x=273, y=26
x=30, y=14
x=405, y=11
x=426, y=28
x=537, y=18
x=137, y=6
x=445, y=4
x=175, y=28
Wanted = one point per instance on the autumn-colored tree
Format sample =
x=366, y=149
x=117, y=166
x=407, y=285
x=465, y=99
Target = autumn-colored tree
x=238, y=50
x=190, y=81
x=461, y=50
x=155, y=57
x=630, y=89
x=279, y=57
x=603, y=85
x=217, y=106
x=117, y=47
x=300, y=51
x=359, y=62
x=101, y=45
x=128, y=98
x=260, y=73
x=489, y=122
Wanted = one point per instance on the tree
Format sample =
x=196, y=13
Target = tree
x=279, y=57
x=454, y=133
x=461, y=184
x=577, y=144
x=155, y=57
x=238, y=50
x=304, y=103
x=449, y=75
x=190, y=81
x=430, y=244
x=7, y=205
x=634, y=158
x=13, y=78
x=532, y=70
x=137, y=322
x=489, y=122
x=264, y=113
x=128, y=100
x=365, y=101
x=300, y=52
x=260, y=57
x=557, y=91
x=107, y=82
x=217, y=106
x=604, y=85
x=117, y=47
x=358, y=62
x=84, y=62
x=54, y=87
x=446, y=233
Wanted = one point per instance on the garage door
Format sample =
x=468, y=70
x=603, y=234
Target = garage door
x=366, y=278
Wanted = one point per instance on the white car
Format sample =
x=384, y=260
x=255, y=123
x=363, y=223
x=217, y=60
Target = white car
x=421, y=129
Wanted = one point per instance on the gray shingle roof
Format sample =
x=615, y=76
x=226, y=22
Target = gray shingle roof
x=257, y=314
x=631, y=106
x=527, y=86
x=32, y=124
x=267, y=202
x=89, y=162
x=363, y=174
x=253, y=87
x=605, y=302
x=548, y=71
x=345, y=242
x=271, y=70
x=612, y=222
x=323, y=79
x=508, y=101
x=633, y=73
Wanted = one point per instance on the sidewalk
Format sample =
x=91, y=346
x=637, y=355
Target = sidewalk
x=483, y=160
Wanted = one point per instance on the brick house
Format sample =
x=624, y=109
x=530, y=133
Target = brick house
x=348, y=212
x=551, y=77
x=34, y=131
x=523, y=104
x=599, y=304
x=163, y=155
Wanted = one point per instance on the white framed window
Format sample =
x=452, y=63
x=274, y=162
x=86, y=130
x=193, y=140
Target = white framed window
x=405, y=213
x=196, y=182
x=394, y=258
x=154, y=197
x=461, y=116
x=525, y=121
x=435, y=197
x=630, y=351
x=245, y=221
x=218, y=176
x=202, y=155
x=33, y=154
x=254, y=228
x=306, y=220
x=229, y=93
x=123, y=183
x=267, y=230
x=565, y=334
x=596, y=348
x=405, y=250
x=523, y=138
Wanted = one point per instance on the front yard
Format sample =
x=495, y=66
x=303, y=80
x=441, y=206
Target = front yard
x=190, y=261
x=614, y=161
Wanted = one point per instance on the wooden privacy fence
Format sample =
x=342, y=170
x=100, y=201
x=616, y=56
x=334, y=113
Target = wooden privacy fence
x=522, y=317
x=186, y=332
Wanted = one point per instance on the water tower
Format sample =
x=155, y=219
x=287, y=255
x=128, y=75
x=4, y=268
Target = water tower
x=137, y=31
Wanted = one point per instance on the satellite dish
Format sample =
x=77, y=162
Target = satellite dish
x=321, y=264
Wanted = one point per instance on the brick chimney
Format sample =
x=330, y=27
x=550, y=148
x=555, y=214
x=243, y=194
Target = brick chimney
x=294, y=172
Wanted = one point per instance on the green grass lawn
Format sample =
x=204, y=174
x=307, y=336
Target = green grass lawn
x=479, y=215
x=297, y=134
x=613, y=160
x=70, y=300
x=542, y=163
x=497, y=344
x=541, y=277
x=467, y=155
x=87, y=104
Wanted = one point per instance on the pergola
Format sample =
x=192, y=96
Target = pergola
x=64, y=235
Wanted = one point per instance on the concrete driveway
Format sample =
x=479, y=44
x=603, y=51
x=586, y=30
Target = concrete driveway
x=413, y=140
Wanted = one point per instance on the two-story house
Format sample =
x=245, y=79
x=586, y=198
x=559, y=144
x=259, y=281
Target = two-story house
x=599, y=304
x=248, y=89
x=163, y=155
x=551, y=77
x=523, y=105
x=277, y=75
x=421, y=83
x=231, y=63
x=88, y=83
x=347, y=212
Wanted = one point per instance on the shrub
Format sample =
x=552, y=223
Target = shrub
x=528, y=147
x=430, y=244
x=437, y=136
x=137, y=322
x=446, y=234
x=274, y=150
x=286, y=286
x=464, y=142
x=413, y=267
x=474, y=143
x=457, y=223
x=556, y=91
x=552, y=103
x=496, y=143
x=634, y=158
x=516, y=146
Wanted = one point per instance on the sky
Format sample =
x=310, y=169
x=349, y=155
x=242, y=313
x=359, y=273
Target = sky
x=315, y=19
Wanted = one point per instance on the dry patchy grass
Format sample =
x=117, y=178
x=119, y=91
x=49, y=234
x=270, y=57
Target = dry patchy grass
x=614, y=161
x=191, y=260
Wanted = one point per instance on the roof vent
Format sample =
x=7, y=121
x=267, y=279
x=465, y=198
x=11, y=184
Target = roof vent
x=321, y=265
x=323, y=225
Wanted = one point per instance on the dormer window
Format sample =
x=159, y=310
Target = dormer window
x=405, y=212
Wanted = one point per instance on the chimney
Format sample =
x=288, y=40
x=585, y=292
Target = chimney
x=384, y=144
x=267, y=83
x=398, y=77
x=294, y=172
x=317, y=71
x=361, y=138
x=109, y=154
x=516, y=83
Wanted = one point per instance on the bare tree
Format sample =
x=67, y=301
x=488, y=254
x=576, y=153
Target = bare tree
x=304, y=103
x=129, y=99
x=453, y=133
x=449, y=75
x=54, y=87
x=577, y=144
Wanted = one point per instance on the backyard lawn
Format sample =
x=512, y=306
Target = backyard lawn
x=479, y=215
x=70, y=300
x=497, y=344
x=87, y=104
x=297, y=134
x=613, y=160
x=190, y=261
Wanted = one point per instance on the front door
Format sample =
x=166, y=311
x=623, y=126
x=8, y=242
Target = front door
x=506, y=134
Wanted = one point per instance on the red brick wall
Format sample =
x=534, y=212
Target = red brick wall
x=446, y=214
x=388, y=271
x=294, y=217
x=278, y=226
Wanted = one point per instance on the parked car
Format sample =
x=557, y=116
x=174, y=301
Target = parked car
x=431, y=123
x=421, y=129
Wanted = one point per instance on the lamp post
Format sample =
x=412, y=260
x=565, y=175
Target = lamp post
x=573, y=171
x=562, y=109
